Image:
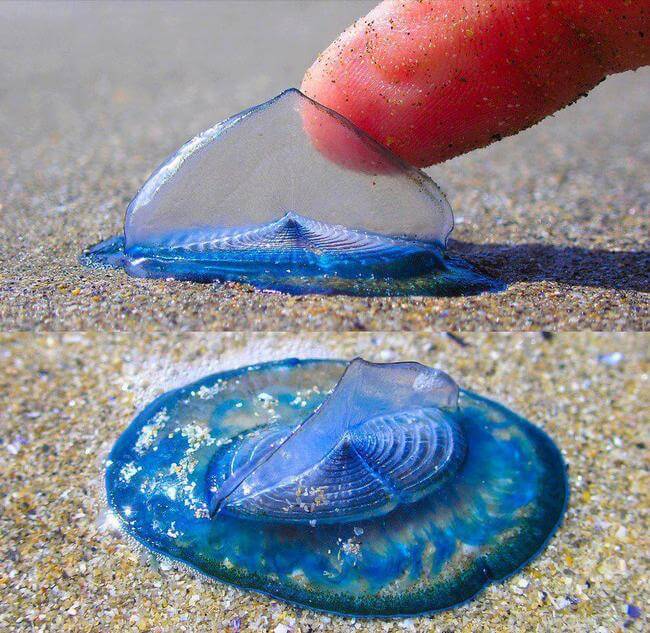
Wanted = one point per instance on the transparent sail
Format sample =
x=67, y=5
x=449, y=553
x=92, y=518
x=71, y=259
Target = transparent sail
x=380, y=439
x=256, y=167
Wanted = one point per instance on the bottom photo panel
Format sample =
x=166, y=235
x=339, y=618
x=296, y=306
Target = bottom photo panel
x=324, y=482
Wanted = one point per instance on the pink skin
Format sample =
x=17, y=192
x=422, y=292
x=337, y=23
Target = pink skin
x=432, y=79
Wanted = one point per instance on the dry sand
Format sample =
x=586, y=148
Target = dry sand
x=64, y=399
x=94, y=96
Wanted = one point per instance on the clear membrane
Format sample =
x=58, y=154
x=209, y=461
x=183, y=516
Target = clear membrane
x=269, y=197
x=380, y=439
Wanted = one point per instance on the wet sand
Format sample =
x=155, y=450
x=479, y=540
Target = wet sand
x=94, y=96
x=64, y=399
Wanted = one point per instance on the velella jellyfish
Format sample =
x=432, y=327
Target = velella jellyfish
x=355, y=488
x=259, y=199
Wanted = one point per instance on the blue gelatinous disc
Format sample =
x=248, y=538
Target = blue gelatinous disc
x=363, y=489
x=255, y=199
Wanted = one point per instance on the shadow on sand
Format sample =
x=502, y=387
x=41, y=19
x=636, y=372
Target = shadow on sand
x=622, y=270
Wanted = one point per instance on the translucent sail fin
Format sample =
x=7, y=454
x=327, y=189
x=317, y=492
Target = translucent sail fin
x=254, y=168
x=381, y=438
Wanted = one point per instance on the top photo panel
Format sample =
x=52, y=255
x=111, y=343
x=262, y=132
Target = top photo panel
x=325, y=165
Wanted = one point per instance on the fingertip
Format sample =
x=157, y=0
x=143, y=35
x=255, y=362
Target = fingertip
x=431, y=80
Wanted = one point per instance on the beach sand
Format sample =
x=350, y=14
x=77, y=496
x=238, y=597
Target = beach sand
x=94, y=96
x=64, y=400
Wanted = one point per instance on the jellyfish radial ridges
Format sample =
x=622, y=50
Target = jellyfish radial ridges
x=237, y=475
x=386, y=461
x=256, y=200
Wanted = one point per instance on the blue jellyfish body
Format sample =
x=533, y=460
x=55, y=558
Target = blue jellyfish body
x=257, y=199
x=387, y=491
